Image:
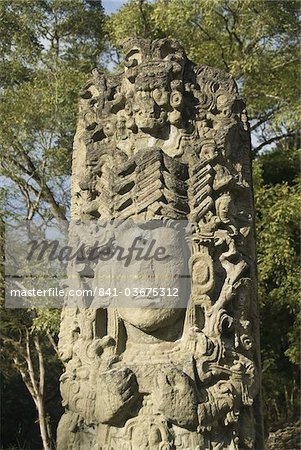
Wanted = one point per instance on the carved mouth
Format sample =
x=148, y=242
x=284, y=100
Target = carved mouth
x=151, y=121
x=146, y=301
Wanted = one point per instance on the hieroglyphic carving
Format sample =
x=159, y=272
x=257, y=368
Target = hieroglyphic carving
x=166, y=139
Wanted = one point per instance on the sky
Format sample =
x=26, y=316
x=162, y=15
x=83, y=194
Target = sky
x=111, y=6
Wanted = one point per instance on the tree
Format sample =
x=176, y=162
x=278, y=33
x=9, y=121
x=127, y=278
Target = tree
x=278, y=201
x=49, y=47
x=25, y=350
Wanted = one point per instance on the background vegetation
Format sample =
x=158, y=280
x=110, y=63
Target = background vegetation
x=48, y=49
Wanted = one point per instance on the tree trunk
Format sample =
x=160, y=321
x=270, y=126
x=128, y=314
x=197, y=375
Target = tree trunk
x=36, y=384
x=46, y=439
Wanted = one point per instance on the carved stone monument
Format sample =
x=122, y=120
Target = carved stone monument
x=166, y=140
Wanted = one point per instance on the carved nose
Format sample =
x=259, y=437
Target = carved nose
x=145, y=271
x=147, y=105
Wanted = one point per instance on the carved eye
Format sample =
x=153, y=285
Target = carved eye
x=160, y=96
x=128, y=109
x=108, y=129
x=176, y=99
x=246, y=341
x=222, y=100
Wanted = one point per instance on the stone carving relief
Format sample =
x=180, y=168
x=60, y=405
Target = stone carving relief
x=166, y=140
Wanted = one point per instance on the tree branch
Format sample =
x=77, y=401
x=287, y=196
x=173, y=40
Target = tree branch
x=213, y=39
x=271, y=140
x=41, y=365
x=263, y=119
x=232, y=32
x=283, y=64
x=53, y=343
x=47, y=194
x=28, y=359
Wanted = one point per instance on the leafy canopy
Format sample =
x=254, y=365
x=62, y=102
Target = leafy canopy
x=49, y=47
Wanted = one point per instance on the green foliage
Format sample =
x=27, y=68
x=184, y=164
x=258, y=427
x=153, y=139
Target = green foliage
x=49, y=48
x=38, y=122
x=134, y=19
x=33, y=32
x=16, y=326
x=47, y=321
x=278, y=219
x=256, y=41
x=282, y=164
x=15, y=401
x=278, y=259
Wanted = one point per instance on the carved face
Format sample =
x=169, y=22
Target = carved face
x=164, y=272
x=224, y=207
x=161, y=96
x=148, y=114
x=109, y=127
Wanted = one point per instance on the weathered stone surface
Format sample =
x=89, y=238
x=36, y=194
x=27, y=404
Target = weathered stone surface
x=167, y=139
x=288, y=438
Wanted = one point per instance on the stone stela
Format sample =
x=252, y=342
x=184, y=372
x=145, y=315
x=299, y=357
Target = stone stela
x=166, y=140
